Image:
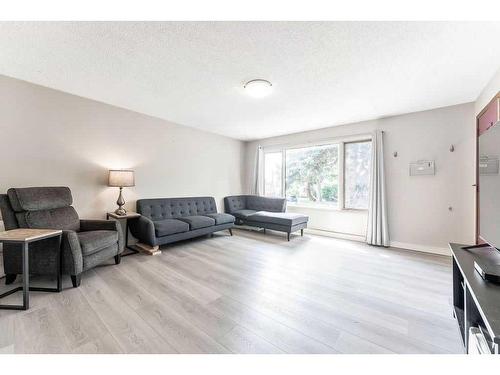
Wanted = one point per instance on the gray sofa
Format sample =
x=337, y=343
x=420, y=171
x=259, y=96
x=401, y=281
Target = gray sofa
x=264, y=212
x=85, y=243
x=167, y=220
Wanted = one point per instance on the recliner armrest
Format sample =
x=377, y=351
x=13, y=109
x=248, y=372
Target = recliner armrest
x=90, y=225
x=114, y=225
x=72, y=253
x=143, y=229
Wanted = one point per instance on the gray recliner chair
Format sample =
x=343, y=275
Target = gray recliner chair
x=85, y=243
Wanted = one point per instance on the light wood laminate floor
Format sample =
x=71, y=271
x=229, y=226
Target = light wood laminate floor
x=250, y=293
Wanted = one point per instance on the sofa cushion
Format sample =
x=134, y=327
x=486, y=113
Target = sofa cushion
x=243, y=214
x=280, y=218
x=93, y=241
x=198, y=221
x=221, y=218
x=64, y=218
x=170, y=226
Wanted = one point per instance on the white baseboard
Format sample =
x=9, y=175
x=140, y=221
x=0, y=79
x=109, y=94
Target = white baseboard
x=7, y=350
x=343, y=236
x=422, y=248
x=400, y=245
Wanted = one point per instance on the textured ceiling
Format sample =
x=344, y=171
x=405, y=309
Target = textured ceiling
x=191, y=73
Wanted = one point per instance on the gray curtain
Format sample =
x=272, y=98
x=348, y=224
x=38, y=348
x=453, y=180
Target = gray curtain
x=378, y=231
x=258, y=183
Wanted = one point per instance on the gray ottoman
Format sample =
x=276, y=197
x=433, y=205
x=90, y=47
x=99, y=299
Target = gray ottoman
x=279, y=221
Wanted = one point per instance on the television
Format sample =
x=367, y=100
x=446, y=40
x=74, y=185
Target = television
x=489, y=186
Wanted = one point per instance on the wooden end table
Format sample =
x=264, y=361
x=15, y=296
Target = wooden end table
x=126, y=217
x=24, y=237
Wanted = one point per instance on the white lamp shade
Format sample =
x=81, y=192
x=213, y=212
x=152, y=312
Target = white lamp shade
x=121, y=178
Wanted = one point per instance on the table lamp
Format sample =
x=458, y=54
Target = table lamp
x=121, y=178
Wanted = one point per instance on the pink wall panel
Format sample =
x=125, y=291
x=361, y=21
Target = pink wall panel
x=489, y=117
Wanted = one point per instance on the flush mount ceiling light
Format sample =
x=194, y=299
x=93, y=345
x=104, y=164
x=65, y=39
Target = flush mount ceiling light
x=258, y=88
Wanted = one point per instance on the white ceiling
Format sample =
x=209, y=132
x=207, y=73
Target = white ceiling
x=191, y=73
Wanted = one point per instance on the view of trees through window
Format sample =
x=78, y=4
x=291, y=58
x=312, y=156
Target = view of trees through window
x=273, y=180
x=357, y=156
x=312, y=175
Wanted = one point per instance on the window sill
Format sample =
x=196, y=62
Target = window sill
x=326, y=208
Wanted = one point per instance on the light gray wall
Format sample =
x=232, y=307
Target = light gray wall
x=53, y=138
x=419, y=217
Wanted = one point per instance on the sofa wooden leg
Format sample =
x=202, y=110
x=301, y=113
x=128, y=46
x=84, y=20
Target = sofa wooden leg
x=10, y=278
x=76, y=280
x=302, y=233
x=118, y=259
x=288, y=236
x=230, y=231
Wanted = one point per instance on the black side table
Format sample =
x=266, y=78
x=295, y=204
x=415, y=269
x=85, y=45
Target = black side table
x=126, y=217
x=24, y=237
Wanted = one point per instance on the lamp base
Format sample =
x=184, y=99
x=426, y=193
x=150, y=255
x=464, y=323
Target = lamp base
x=120, y=202
x=120, y=211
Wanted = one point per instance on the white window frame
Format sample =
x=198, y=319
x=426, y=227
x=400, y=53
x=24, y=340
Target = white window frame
x=340, y=142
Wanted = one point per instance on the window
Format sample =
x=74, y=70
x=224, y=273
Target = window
x=357, y=174
x=273, y=167
x=335, y=175
x=312, y=175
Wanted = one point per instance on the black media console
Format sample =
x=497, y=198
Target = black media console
x=476, y=302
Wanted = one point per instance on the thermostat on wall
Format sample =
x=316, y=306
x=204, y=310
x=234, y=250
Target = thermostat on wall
x=422, y=168
x=488, y=164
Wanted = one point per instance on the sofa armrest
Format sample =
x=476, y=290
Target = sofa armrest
x=143, y=229
x=72, y=253
x=275, y=204
x=283, y=207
